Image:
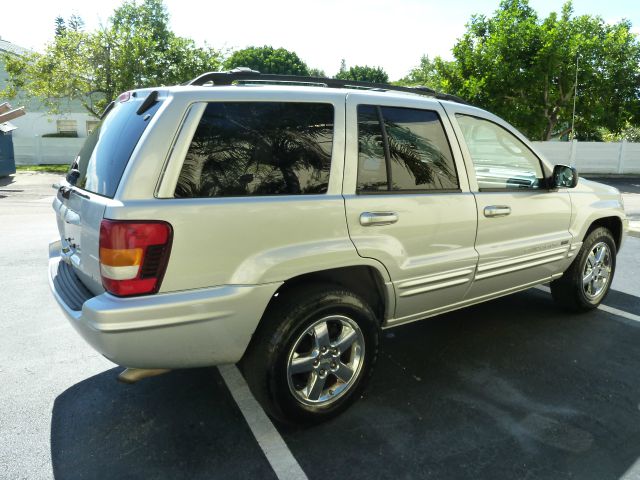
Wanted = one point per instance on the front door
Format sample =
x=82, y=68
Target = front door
x=407, y=204
x=523, y=225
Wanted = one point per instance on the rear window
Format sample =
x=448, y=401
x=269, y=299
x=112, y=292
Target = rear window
x=100, y=164
x=259, y=148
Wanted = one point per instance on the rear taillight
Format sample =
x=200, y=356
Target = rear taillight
x=133, y=255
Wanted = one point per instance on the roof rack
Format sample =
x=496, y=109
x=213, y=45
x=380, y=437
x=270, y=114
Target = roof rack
x=244, y=75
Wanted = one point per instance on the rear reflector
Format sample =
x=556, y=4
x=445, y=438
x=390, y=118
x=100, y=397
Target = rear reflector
x=133, y=255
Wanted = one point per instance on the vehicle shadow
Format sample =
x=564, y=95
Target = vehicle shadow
x=8, y=180
x=512, y=388
x=180, y=425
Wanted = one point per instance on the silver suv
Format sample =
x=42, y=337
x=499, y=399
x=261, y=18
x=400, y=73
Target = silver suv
x=282, y=222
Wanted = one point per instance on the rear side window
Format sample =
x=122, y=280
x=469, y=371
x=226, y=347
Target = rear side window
x=100, y=164
x=403, y=150
x=259, y=148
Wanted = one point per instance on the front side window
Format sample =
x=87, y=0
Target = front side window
x=500, y=159
x=259, y=148
x=403, y=150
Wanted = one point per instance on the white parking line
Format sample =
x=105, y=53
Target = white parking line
x=272, y=444
x=604, y=308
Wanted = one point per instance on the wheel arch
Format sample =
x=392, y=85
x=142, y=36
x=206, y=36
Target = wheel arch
x=364, y=280
x=612, y=223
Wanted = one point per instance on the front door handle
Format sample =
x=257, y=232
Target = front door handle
x=378, y=218
x=497, y=211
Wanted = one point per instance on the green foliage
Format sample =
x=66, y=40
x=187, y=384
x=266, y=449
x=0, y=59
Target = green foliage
x=630, y=133
x=436, y=74
x=362, y=74
x=134, y=49
x=524, y=68
x=267, y=60
x=62, y=169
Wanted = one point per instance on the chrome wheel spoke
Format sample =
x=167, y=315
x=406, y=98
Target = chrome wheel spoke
x=321, y=334
x=315, y=386
x=346, y=339
x=587, y=279
x=344, y=372
x=301, y=364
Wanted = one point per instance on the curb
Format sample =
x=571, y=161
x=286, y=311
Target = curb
x=634, y=229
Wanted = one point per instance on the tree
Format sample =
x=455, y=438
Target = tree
x=363, y=73
x=436, y=74
x=134, y=49
x=524, y=69
x=267, y=60
x=61, y=26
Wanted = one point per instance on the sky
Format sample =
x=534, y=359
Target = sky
x=392, y=34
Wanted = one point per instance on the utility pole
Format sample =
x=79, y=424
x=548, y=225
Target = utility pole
x=575, y=95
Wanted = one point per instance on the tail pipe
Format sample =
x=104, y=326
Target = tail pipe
x=133, y=375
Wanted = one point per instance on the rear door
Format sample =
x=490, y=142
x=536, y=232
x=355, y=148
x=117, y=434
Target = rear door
x=523, y=225
x=92, y=182
x=408, y=204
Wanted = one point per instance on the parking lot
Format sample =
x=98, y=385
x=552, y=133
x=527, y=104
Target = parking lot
x=513, y=388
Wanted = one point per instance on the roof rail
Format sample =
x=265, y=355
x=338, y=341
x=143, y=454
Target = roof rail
x=246, y=75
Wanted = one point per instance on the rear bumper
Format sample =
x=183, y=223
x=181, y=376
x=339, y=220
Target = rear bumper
x=171, y=330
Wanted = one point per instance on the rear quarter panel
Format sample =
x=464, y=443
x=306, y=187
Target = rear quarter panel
x=236, y=240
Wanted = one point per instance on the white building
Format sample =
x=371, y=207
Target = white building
x=29, y=145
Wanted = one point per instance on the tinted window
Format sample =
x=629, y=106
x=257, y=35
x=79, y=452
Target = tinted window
x=403, y=149
x=100, y=164
x=500, y=159
x=264, y=148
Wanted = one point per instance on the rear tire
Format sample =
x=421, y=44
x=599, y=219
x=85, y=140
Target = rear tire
x=587, y=281
x=312, y=354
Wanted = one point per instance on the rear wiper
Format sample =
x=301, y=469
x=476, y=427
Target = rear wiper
x=107, y=110
x=149, y=102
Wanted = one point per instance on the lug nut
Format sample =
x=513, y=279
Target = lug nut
x=333, y=364
x=323, y=349
x=322, y=372
x=316, y=363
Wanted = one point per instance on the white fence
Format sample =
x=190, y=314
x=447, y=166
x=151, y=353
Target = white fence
x=38, y=150
x=594, y=157
x=587, y=157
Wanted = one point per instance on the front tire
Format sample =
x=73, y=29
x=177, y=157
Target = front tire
x=312, y=354
x=587, y=281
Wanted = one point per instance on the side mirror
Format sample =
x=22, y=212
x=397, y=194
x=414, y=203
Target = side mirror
x=564, y=176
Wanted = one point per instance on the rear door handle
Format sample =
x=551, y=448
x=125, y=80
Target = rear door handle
x=497, y=211
x=378, y=218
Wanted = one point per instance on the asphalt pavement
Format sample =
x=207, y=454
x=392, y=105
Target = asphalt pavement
x=513, y=388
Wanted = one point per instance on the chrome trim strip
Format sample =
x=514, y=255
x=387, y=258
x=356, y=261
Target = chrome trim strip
x=437, y=286
x=393, y=322
x=435, y=278
x=523, y=266
x=521, y=259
